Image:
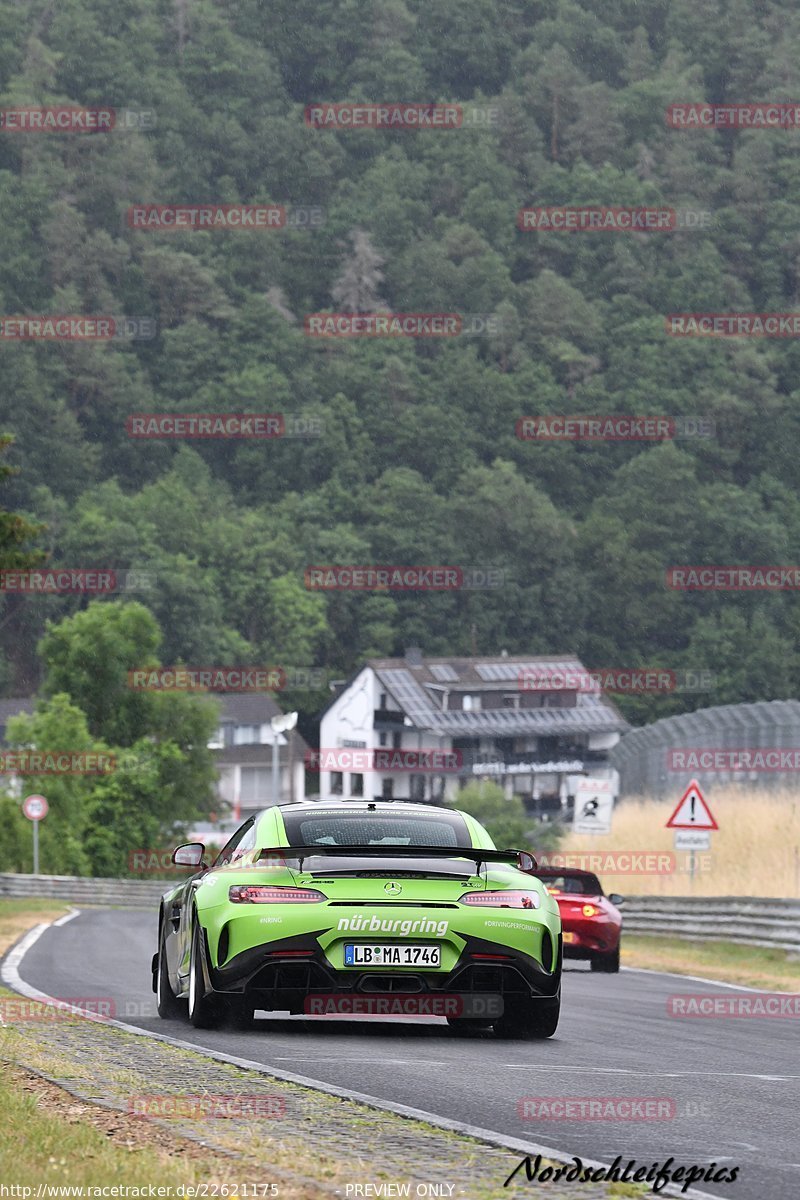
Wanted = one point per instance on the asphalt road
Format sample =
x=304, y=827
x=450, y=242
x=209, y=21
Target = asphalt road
x=735, y=1083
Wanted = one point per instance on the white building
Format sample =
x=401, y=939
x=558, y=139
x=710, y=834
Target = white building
x=535, y=742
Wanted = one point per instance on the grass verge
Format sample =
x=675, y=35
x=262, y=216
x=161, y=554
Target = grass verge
x=729, y=962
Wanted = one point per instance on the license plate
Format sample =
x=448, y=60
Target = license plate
x=570, y=937
x=382, y=955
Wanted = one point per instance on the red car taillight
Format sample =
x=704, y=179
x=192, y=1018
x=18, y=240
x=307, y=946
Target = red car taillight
x=255, y=893
x=591, y=910
x=508, y=899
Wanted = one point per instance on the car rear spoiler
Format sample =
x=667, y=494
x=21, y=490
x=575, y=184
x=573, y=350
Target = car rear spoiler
x=519, y=858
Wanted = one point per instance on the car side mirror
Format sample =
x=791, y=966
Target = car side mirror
x=189, y=855
x=616, y=899
x=525, y=861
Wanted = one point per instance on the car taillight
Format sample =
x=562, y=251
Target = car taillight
x=507, y=899
x=254, y=893
x=590, y=910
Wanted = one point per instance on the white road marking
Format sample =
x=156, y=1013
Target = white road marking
x=74, y=912
x=737, y=987
x=647, y=1074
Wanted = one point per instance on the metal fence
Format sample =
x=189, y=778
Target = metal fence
x=78, y=890
x=746, y=919
x=749, y=920
x=643, y=759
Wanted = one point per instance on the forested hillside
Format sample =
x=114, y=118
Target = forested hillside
x=418, y=461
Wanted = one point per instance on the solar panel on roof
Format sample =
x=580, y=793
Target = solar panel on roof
x=444, y=673
x=501, y=672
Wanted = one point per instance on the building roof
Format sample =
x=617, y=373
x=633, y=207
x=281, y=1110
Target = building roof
x=417, y=686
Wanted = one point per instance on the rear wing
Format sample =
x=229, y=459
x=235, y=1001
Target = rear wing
x=518, y=858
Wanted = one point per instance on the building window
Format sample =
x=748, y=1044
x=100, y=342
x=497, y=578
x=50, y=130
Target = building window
x=470, y=703
x=256, y=787
x=337, y=783
x=382, y=703
x=511, y=701
x=247, y=735
x=382, y=738
x=387, y=789
x=397, y=741
x=417, y=787
x=356, y=785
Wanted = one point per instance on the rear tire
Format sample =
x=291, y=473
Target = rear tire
x=204, y=1011
x=168, y=1005
x=529, y=1019
x=608, y=963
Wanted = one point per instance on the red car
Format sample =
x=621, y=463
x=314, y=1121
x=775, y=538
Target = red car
x=591, y=921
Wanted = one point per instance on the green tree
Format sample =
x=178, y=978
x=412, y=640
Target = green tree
x=503, y=817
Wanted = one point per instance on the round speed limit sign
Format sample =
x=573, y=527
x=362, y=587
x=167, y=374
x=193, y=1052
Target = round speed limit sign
x=35, y=808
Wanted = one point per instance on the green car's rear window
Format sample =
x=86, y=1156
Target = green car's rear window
x=376, y=829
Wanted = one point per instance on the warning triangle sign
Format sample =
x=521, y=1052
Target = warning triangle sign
x=692, y=811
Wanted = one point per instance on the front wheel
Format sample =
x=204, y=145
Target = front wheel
x=528, y=1018
x=203, y=1010
x=606, y=962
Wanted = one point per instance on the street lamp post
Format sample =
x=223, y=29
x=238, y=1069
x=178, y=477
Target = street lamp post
x=281, y=723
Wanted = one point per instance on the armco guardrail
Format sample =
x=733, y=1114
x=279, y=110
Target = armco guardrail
x=748, y=919
x=80, y=890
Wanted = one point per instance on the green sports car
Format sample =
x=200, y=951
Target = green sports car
x=360, y=907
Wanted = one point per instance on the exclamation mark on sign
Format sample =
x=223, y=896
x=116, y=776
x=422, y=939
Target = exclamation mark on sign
x=691, y=808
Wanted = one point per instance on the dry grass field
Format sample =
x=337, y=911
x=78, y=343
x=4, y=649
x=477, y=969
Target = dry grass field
x=755, y=852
